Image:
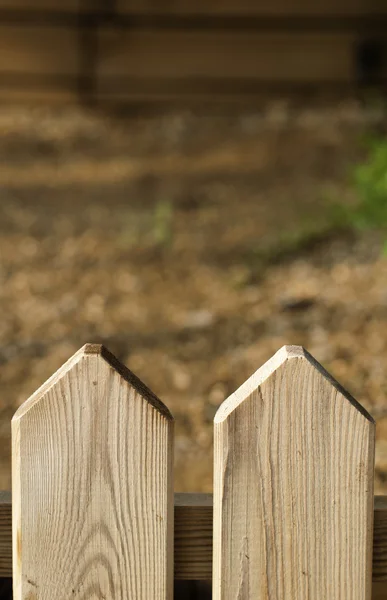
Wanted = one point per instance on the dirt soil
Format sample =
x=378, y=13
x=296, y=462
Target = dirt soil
x=147, y=233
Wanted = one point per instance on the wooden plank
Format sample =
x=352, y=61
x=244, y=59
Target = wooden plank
x=92, y=486
x=43, y=5
x=38, y=94
x=293, y=487
x=253, y=7
x=140, y=57
x=182, y=93
x=380, y=532
x=379, y=591
x=38, y=50
x=193, y=538
x=5, y=534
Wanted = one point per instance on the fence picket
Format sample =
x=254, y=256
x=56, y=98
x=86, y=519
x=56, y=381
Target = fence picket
x=293, y=487
x=92, y=486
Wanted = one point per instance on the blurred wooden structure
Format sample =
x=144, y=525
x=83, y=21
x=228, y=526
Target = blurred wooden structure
x=116, y=51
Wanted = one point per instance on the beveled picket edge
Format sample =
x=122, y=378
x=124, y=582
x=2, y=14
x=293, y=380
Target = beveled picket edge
x=127, y=476
x=293, y=485
x=193, y=537
x=97, y=349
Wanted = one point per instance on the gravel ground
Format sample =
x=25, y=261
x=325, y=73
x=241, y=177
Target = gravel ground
x=147, y=233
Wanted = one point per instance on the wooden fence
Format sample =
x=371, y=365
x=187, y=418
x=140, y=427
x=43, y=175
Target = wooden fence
x=119, y=50
x=94, y=514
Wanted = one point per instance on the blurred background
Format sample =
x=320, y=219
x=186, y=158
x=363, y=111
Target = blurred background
x=193, y=183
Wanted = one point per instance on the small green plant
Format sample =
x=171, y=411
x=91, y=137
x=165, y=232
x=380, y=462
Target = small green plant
x=369, y=180
x=147, y=227
x=162, y=224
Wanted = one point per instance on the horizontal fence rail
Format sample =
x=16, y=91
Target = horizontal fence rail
x=113, y=52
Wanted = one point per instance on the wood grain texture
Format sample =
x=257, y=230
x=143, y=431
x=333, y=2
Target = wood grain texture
x=92, y=486
x=193, y=538
x=293, y=487
x=5, y=534
x=380, y=534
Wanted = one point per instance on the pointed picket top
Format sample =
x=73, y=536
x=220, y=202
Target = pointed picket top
x=293, y=486
x=100, y=351
x=274, y=364
x=92, y=485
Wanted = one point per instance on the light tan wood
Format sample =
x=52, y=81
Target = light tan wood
x=254, y=7
x=193, y=538
x=211, y=58
x=38, y=50
x=92, y=486
x=293, y=487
